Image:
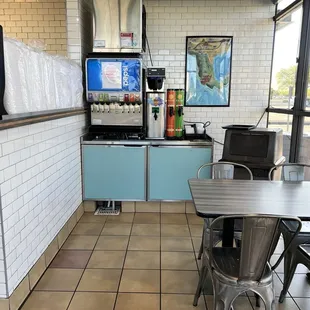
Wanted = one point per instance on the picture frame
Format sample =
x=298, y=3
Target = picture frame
x=208, y=71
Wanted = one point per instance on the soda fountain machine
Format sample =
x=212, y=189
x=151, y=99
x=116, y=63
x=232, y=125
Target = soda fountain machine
x=114, y=90
x=155, y=100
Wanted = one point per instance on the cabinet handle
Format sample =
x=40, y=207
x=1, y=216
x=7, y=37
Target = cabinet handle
x=134, y=145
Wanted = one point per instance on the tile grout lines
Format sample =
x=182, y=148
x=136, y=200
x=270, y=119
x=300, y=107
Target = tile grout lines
x=87, y=260
x=193, y=234
x=195, y=256
x=123, y=267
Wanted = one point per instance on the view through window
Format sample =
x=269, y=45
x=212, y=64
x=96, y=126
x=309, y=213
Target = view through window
x=284, y=67
x=286, y=50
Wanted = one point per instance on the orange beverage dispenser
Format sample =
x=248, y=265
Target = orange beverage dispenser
x=170, y=115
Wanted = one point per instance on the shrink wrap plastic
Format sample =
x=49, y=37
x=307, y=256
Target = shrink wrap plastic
x=36, y=81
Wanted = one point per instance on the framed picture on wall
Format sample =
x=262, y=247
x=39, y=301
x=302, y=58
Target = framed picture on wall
x=208, y=71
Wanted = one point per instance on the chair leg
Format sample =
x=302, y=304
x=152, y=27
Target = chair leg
x=224, y=295
x=268, y=296
x=203, y=275
x=288, y=280
x=257, y=300
x=201, y=246
x=288, y=259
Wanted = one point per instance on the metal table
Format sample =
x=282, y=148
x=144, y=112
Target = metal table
x=214, y=197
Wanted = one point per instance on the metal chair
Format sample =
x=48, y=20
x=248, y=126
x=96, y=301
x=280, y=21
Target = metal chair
x=302, y=256
x=237, y=270
x=291, y=172
x=221, y=170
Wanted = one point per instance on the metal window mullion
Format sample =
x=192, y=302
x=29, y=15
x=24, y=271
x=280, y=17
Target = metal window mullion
x=286, y=10
x=301, y=84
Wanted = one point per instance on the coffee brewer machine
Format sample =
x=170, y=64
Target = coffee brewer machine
x=114, y=90
x=155, y=101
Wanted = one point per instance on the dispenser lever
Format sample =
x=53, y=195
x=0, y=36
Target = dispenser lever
x=171, y=112
x=180, y=111
x=155, y=116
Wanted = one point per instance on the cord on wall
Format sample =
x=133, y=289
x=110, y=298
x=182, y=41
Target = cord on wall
x=148, y=47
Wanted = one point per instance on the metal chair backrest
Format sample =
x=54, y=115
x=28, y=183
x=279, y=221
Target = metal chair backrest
x=224, y=170
x=258, y=238
x=290, y=171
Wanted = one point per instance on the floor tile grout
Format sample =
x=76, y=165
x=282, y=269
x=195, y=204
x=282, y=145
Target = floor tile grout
x=160, y=251
x=85, y=264
x=121, y=275
x=196, y=260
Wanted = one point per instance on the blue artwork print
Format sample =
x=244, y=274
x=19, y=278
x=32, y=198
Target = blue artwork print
x=208, y=71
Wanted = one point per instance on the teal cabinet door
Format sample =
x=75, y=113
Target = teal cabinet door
x=114, y=172
x=171, y=167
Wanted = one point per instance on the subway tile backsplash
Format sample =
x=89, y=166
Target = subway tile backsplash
x=249, y=22
x=40, y=185
x=41, y=22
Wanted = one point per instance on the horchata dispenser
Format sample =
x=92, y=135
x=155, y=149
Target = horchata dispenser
x=155, y=98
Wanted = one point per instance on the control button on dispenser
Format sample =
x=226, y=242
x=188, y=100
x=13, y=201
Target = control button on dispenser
x=106, y=97
x=132, y=97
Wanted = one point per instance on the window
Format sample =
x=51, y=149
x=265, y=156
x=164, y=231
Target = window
x=283, y=4
x=284, y=66
x=289, y=106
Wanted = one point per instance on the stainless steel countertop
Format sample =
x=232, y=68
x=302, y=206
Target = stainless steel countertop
x=89, y=140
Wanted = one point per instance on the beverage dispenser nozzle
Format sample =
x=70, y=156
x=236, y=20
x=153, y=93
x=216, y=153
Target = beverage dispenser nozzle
x=155, y=116
x=180, y=111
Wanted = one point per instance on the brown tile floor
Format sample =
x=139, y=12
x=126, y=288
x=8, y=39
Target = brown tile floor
x=143, y=261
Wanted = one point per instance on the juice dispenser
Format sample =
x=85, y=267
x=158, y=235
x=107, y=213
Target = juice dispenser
x=155, y=99
x=179, y=102
x=170, y=130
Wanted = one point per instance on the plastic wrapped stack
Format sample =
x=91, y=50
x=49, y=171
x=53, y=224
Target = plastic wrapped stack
x=36, y=81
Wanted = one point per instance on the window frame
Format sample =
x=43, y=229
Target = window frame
x=301, y=84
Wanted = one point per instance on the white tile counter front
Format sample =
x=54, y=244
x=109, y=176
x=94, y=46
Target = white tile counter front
x=40, y=187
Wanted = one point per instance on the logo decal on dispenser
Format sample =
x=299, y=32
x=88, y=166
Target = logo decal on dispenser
x=156, y=101
x=125, y=76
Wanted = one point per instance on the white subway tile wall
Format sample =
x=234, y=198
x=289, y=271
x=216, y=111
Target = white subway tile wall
x=169, y=22
x=248, y=21
x=79, y=29
x=40, y=184
x=41, y=22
